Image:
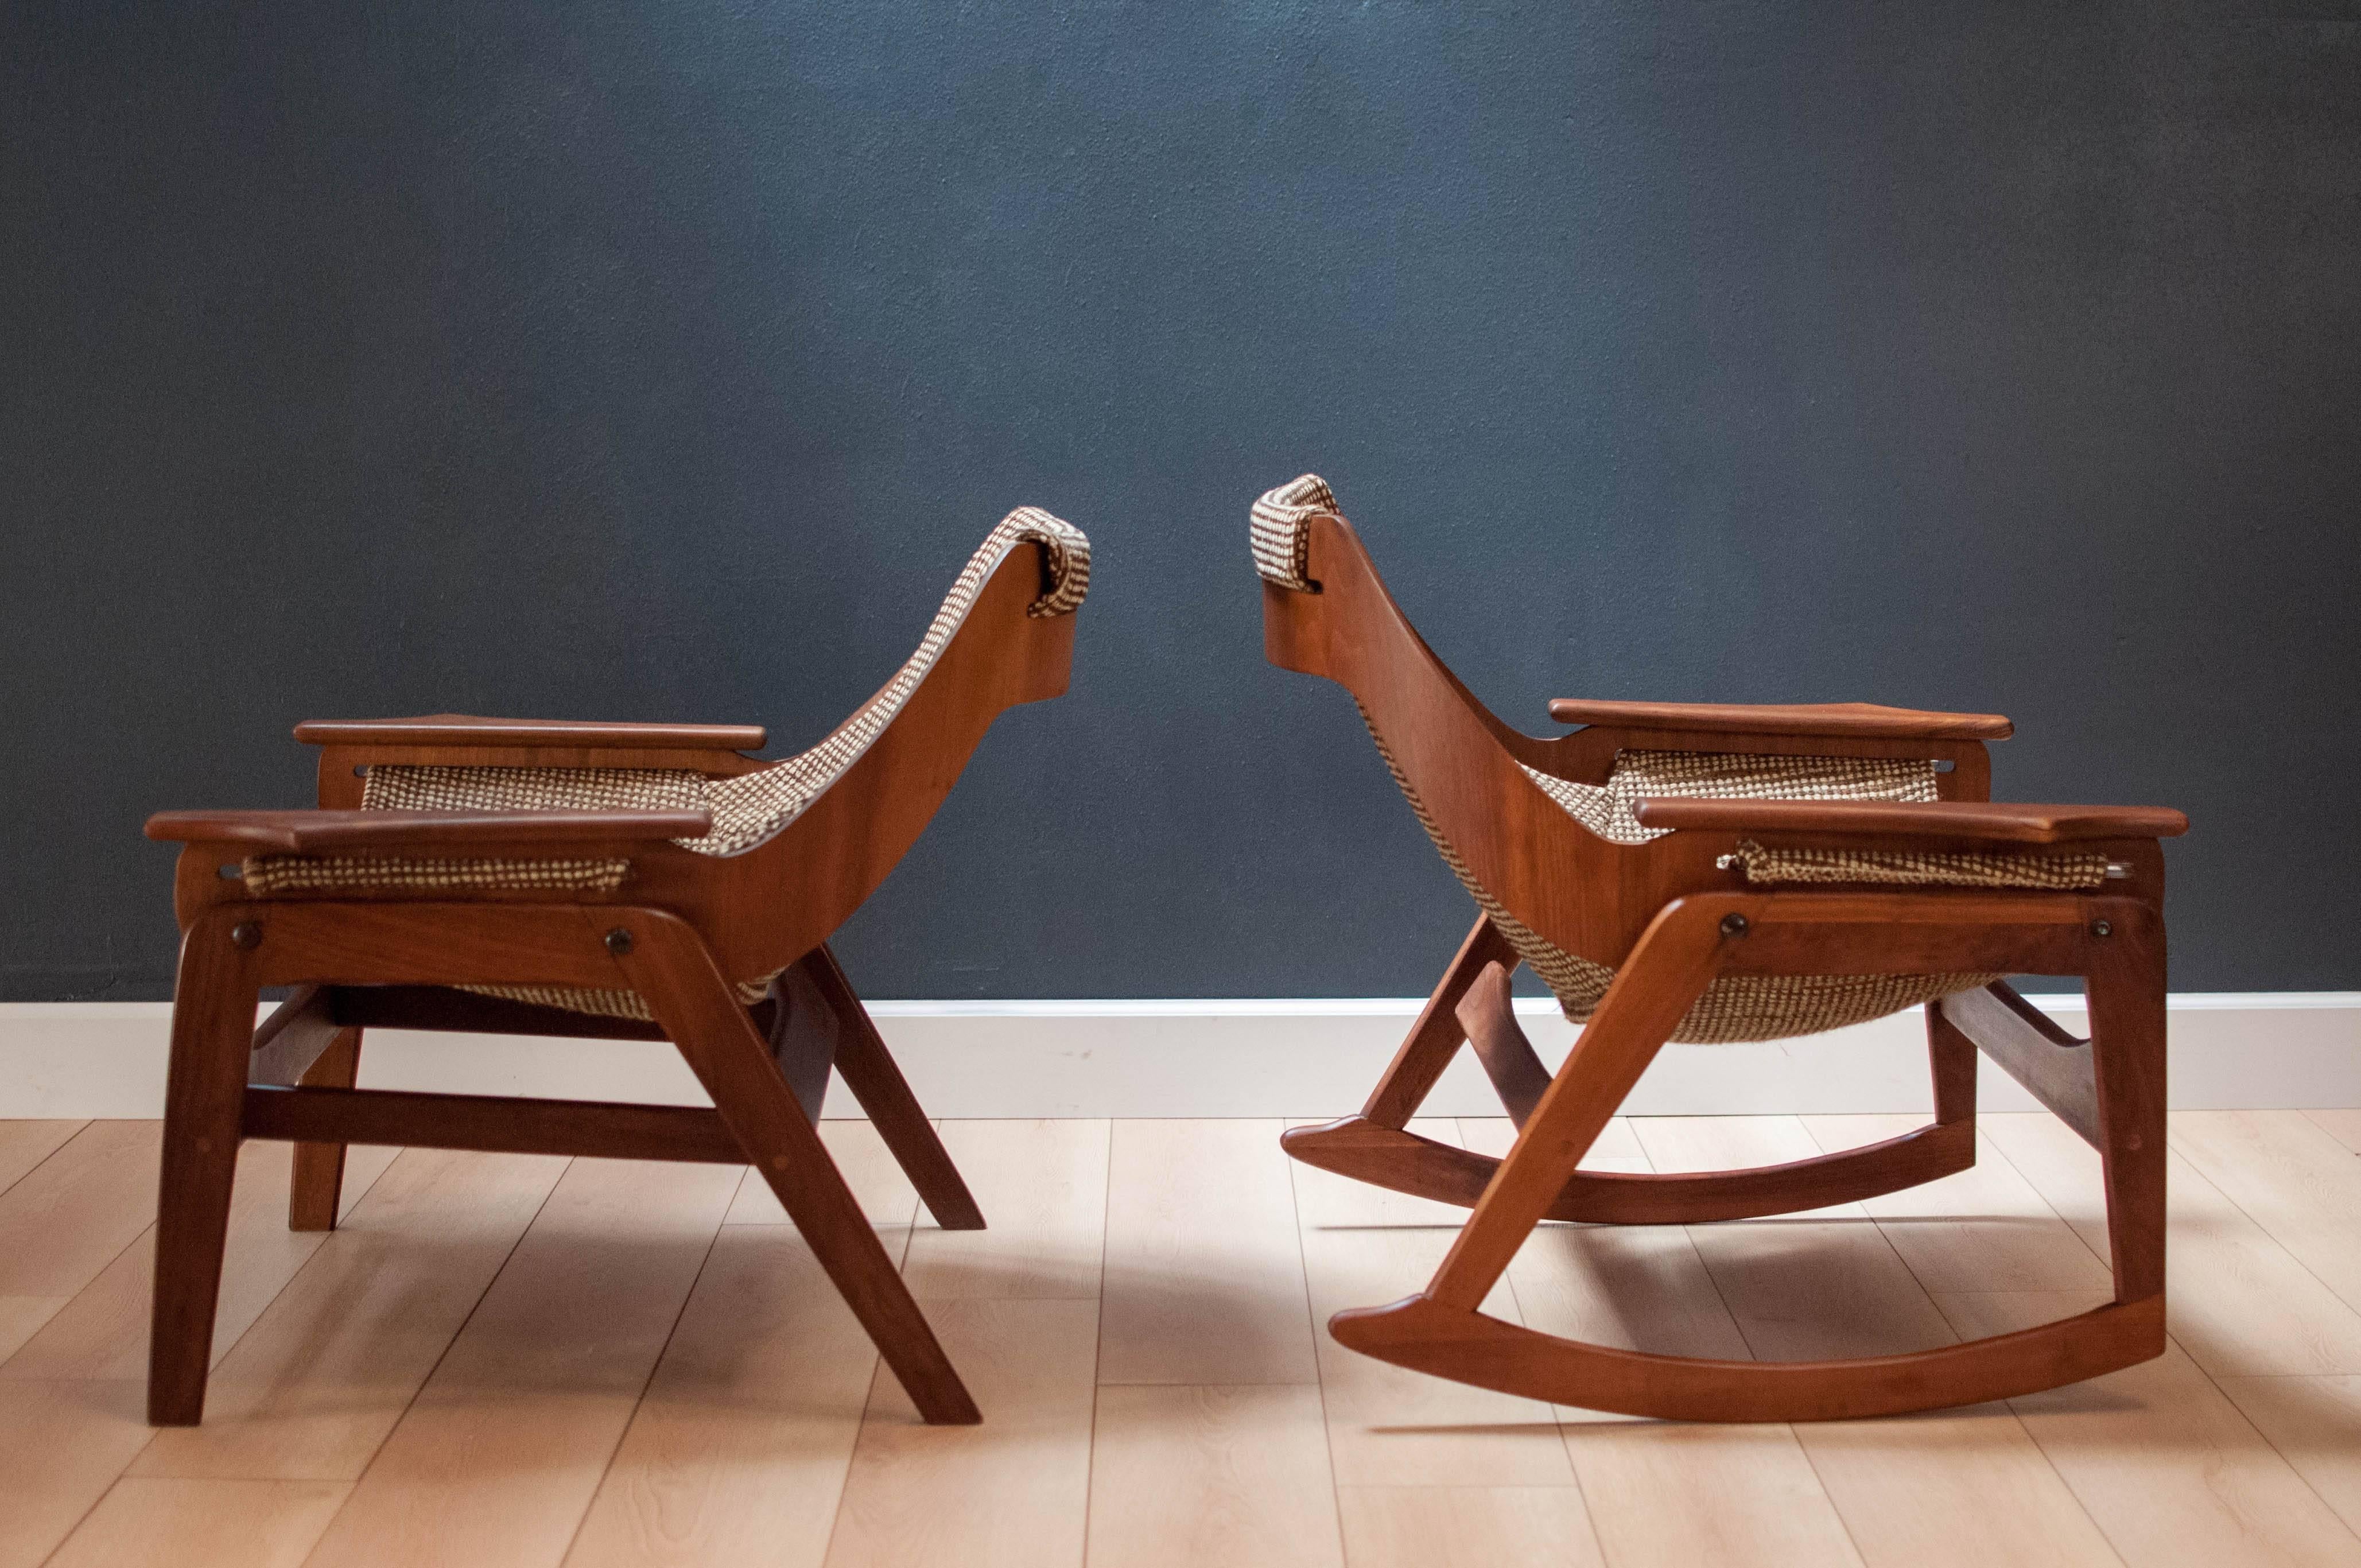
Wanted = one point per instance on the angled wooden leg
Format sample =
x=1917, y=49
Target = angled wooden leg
x=804, y=1034
x=667, y=961
x=2127, y=1057
x=1669, y=968
x=1488, y=1016
x=1952, y=1061
x=876, y=1081
x=213, y=1037
x=1425, y=1051
x=301, y=1043
x=317, y=1185
x=1431, y=1042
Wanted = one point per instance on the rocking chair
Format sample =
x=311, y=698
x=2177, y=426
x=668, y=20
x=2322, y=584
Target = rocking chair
x=1709, y=874
x=608, y=881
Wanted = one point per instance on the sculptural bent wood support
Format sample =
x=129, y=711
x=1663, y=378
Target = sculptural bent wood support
x=1668, y=915
x=1443, y=1331
x=676, y=926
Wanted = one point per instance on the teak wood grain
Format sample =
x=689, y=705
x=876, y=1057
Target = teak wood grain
x=1980, y=821
x=680, y=930
x=467, y=730
x=1670, y=916
x=480, y=833
x=1815, y=718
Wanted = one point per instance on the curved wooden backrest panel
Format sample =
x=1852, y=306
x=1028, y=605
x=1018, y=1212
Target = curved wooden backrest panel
x=775, y=903
x=1578, y=890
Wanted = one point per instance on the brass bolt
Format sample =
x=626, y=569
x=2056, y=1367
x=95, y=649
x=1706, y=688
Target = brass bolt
x=246, y=936
x=618, y=941
x=1733, y=925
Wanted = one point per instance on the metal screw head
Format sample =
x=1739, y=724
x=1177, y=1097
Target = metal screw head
x=2103, y=928
x=1733, y=925
x=246, y=936
x=618, y=941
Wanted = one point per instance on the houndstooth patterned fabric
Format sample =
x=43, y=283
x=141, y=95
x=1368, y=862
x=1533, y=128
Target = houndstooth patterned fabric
x=1918, y=868
x=1608, y=811
x=1733, y=1008
x=268, y=876
x=1276, y=534
x=605, y=1003
x=746, y=810
x=753, y=807
x=394, y=788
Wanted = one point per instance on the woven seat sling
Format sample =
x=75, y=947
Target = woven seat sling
x=746, y=809
x=1739, y=1007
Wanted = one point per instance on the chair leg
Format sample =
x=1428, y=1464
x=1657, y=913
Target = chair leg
x=1952, y=1061
x=213, y=1036
x=1435, y=1039
x=876, y=1081
x=1488, y=1016
x=1665, y=973
x=666, y=962
x=2127, y=1057
x=316, y=1189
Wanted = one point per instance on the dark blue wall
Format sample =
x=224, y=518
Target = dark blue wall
x=665, y=360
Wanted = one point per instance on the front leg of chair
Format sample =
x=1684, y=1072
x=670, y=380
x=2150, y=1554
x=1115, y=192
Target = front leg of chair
x=876, y=1081
x=1667, y=971
x=667, y=961
x=2127, y=1058
x=213, y=1039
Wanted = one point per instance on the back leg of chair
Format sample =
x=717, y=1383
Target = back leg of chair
x=876, y=1081
x=1436, y=1037
x=213, y=1039
x=1952, y=1061
x=317, y=1183
x=667, y=961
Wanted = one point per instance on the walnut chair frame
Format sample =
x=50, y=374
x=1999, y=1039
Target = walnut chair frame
x=1670, y=917
x=676, y=932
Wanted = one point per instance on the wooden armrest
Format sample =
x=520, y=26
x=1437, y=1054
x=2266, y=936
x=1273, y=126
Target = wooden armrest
x=1861, y=719
x=465, y=729
x=1988, y=822
x=314, y=831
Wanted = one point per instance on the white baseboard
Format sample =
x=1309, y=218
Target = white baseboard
x=1291, y=1059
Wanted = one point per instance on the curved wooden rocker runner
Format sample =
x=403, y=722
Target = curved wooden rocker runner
x=613, y=880
x=1719, y=873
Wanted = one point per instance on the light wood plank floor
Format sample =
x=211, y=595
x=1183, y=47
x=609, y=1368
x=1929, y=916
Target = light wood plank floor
x=517, y=1360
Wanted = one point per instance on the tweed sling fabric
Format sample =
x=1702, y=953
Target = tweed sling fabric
x=267, y=876
x=1275, y=532
x=1609, y=810
x=746, y=809
x=392, y=788
x=1918, y=868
